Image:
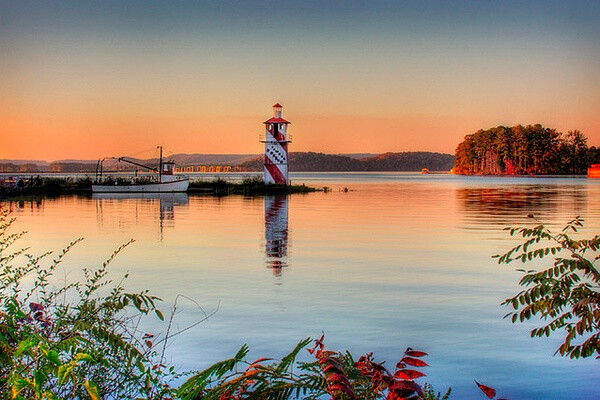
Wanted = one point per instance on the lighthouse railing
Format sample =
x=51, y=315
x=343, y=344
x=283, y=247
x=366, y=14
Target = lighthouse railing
x=263, y=138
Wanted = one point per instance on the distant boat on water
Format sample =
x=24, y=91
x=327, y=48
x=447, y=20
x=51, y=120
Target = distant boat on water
x=165, y=182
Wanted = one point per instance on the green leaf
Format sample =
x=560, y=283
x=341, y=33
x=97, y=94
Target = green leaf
x=24, y=347
x=39, y=378
x=83, y=357
x=49, y=395
x=52, y=356
x=140, y=365
x=63, y=373
x=92, y=390
x=19, y=385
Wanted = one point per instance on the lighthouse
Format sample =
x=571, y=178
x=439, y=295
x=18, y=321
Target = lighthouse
x=276, y=148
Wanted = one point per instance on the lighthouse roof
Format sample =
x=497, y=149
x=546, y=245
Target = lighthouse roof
x=277, y=105
x=277, y=121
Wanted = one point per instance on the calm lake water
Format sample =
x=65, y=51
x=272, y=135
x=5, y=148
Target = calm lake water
x=398, y=260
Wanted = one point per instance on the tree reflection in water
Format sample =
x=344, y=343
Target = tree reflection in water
x=500, y=205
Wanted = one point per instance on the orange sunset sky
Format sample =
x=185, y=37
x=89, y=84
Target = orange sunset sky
x=87, y=79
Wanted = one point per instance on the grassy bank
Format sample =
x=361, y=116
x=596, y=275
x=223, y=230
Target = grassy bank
x=248, y=187
x=35, y=187
x=46, y=186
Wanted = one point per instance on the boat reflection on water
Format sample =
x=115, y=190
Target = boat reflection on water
x=163, y=204
x=276, y=232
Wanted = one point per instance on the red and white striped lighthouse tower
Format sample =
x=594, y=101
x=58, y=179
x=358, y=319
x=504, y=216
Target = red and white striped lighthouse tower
x=276, y=148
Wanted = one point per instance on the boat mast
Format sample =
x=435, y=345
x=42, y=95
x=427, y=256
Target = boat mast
x=99, y=169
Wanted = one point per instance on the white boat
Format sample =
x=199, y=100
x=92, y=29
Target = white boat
x=165, y=182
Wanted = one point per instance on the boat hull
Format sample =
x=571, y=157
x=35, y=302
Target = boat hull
x=162, y=187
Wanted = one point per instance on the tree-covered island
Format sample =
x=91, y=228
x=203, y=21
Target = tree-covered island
x=524, y=150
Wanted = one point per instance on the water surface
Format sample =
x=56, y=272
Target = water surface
x=379, y=263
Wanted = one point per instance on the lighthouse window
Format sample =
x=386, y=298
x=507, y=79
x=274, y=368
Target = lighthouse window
x=281, y=126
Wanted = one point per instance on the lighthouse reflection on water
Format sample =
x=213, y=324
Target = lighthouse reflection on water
x=276, y=232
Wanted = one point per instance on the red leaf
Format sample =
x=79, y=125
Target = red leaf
x=320, y=340
x=415, y=353
x=336, y=378
x=325, y=357
x=408, y=374
x=387, y=379
x=261, y=360
x=407, y=385
x=414, y=362
x=256, y=363
x=251, y=372
x=149, y=343
x=332, y=368
x=378, y=367
x=318, y=347
x=489, y=392
x=337, y=387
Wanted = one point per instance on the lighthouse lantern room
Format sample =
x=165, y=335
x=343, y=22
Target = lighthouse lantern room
x=276, y=149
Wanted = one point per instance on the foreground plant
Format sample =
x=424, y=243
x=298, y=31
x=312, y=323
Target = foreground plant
x=565, y=295
x=77, y=340
x=332, y=374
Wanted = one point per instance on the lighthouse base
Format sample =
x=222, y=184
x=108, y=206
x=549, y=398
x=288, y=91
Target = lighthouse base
x=276, y=174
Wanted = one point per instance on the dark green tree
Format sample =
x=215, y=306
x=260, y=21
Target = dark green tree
x=519, y=150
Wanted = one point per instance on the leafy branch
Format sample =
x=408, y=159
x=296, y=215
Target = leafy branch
x=564, y=295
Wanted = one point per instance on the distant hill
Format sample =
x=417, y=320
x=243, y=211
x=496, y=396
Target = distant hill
x=410, y=161
x=72, y=166
x=200, y=159
x=406, y=161
x=69, y=160
x=19, y=162
x=10, y=167
x=298, y=161
x=358, y=155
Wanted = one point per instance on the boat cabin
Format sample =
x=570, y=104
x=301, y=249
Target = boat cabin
x=168, y=167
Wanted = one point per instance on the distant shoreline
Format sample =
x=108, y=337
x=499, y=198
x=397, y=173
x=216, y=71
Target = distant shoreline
x=297, y=161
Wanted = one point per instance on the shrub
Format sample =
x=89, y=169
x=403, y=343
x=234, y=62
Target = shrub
x=565, y=294
x=77, y=340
